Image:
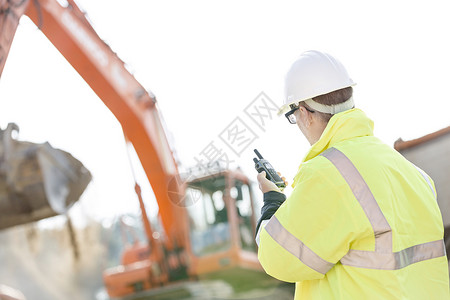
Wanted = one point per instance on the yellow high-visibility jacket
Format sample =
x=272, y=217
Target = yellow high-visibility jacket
x=362, y=222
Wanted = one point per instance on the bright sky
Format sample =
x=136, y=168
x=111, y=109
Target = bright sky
x=207, y=60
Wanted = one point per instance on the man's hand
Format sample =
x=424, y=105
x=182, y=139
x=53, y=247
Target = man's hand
x=273, y=198
x=265, y=185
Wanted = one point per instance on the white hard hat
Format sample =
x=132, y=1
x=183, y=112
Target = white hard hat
x=314, y=73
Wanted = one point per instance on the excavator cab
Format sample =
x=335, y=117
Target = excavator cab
x=222, y=223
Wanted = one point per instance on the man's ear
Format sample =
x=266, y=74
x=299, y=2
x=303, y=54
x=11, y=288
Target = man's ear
x=308, y=117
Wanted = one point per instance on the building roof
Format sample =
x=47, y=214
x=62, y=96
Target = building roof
x=401, y=144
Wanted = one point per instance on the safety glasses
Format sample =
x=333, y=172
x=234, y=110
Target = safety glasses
x=290, y=114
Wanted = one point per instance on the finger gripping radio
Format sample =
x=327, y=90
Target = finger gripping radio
x=271, y=174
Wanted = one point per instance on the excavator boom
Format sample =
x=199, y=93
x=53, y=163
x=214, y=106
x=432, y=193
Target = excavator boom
x=71, y=33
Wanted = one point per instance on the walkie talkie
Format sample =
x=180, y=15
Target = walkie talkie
x=271, y=174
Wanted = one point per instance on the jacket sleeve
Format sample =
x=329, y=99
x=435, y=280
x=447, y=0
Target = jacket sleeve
x=312, y=230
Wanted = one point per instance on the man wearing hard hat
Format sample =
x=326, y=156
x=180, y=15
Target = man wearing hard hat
x=362, y=222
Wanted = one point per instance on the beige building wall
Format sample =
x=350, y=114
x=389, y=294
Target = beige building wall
x=433, y=157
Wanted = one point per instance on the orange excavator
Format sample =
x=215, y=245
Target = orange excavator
x=208, y=221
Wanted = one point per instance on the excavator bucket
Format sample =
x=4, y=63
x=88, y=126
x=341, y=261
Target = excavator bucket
x=37, y=181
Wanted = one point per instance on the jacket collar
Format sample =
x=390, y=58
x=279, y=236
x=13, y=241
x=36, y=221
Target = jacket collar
x=342, y=126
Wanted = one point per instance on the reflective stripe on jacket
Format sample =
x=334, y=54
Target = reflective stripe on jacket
x=362, y=222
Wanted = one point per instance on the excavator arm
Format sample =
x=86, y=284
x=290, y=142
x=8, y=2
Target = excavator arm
x=71, y=33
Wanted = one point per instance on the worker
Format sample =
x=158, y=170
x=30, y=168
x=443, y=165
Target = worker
x=361, y=222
